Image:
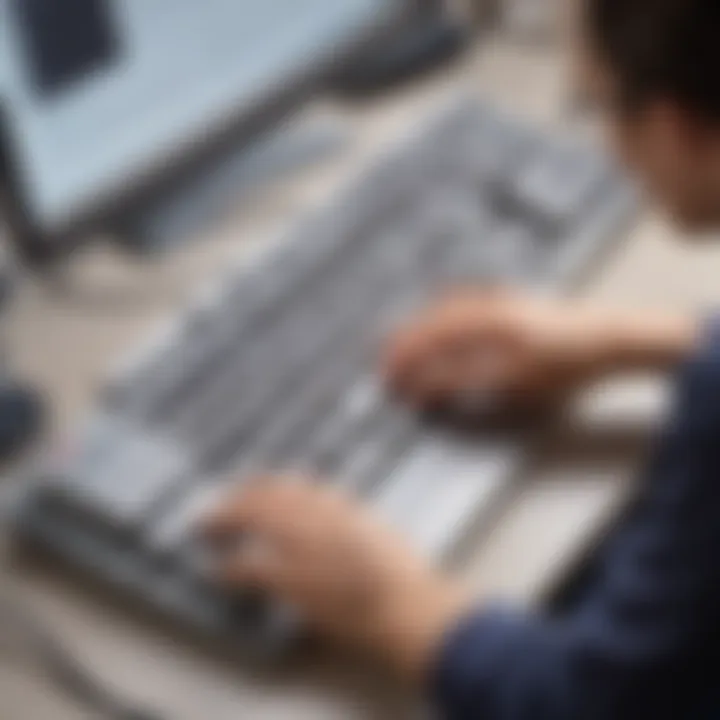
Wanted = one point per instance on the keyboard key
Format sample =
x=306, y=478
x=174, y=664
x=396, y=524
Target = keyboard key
x=120, y=475
x=176, y=527
x=559, y=184
x=437, y=489
x=376, y=453
x=342, y=427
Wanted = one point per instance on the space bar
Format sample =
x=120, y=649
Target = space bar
x=443, y=487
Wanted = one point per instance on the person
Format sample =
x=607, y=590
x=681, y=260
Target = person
x=642, y=637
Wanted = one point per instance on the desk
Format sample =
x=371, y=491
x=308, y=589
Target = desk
x=66, y=343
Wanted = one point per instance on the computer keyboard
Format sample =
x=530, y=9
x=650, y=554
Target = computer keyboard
x=274, y=369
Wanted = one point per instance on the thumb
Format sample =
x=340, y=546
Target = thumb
x=255, y=565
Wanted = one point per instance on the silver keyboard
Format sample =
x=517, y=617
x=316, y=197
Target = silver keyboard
x=274, y=369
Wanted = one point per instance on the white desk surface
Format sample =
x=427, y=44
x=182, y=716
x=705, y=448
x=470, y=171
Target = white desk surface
x=66, y=343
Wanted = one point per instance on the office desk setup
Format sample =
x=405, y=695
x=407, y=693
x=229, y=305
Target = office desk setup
x=108, y=301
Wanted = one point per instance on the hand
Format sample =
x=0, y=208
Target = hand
x=525, y=352
x=353, y=579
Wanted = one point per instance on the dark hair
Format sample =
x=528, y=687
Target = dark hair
x=660, y=48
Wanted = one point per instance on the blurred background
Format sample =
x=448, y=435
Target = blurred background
x=147, y=147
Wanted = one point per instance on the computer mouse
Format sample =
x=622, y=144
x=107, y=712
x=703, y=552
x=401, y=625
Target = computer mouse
x=22, y=414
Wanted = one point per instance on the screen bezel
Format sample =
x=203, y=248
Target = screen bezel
x=41, y=245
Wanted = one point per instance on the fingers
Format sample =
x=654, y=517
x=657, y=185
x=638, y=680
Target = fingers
x=454, y=344
x=284, y=510
x=270, y=506
x=282, y=522
x=264, y=569
x=270, y=515
x=472, y=293
x=446, y=380
x=433, y=339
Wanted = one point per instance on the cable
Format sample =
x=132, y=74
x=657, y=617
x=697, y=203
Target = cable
x=62, y=668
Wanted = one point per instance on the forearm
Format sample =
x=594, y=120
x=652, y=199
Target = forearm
x=622, y=651
x=632, y=341
x=412, y=624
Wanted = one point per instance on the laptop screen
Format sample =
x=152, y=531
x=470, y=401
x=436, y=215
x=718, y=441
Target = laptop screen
x=97, y=92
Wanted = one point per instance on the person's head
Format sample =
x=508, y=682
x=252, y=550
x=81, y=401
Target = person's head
x=653, y=66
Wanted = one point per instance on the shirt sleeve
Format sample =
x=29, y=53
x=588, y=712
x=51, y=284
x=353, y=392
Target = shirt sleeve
x=629, y=649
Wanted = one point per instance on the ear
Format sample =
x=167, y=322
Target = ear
x=680, y=131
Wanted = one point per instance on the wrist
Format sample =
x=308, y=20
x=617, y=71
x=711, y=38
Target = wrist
x=415, y=623
x=646, y=341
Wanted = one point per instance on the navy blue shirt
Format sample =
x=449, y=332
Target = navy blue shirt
x=642, y=639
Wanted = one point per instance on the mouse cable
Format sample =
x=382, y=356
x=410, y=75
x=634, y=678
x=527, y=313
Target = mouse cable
x=62, y=668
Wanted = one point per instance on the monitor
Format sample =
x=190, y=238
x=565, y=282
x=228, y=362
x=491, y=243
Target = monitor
x=98, y=97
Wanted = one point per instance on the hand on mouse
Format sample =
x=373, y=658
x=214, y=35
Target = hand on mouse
x=352, y=578
x=524, y=351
